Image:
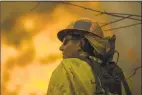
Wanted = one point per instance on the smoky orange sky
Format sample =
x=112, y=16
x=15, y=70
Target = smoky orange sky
x=30, y=48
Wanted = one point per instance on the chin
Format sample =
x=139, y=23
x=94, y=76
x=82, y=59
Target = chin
x=65, y=57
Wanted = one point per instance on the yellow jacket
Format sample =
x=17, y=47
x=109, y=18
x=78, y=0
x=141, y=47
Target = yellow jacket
x=72, y=77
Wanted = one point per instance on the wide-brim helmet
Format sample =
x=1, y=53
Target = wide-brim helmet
x=82, y=26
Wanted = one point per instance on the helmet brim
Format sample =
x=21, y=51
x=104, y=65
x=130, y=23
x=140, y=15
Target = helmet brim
x=61, y=34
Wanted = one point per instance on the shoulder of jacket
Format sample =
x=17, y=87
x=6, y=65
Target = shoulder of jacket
x=72, y=60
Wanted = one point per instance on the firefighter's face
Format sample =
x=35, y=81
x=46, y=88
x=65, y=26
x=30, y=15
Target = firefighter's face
x=70, y=47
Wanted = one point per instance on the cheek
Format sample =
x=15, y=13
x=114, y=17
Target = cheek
x=68, y=47
x=71, y=48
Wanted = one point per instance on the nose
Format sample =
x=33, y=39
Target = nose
x=61, y=48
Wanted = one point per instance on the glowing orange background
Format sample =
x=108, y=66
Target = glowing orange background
x=30, y=48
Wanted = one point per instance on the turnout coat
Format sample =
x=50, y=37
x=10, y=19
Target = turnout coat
x=73, y=76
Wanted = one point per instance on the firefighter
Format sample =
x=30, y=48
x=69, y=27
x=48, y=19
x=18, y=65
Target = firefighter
x=75, y=75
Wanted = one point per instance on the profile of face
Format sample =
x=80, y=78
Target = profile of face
x=70, y=47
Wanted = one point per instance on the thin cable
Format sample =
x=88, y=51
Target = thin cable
x=98, y=14
x=114, y=15
x=115, y=21
x=123, y=27
x=38, y=3
x=128, y=14
x=121, y=16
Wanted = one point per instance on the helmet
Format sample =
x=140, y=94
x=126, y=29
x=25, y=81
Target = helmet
x=82, y=26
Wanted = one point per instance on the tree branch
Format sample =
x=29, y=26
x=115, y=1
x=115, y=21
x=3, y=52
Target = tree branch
x=135, y=70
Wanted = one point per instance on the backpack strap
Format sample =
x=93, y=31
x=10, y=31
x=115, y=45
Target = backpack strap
x=99, y=87
x=118, y=74
x=100, y=72
x=97, y=70
x=124, y=82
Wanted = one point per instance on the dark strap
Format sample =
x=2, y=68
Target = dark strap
x=98, y=72
x=98, y=76
x=122, y=79
x=99, y=88
x=127, y=89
